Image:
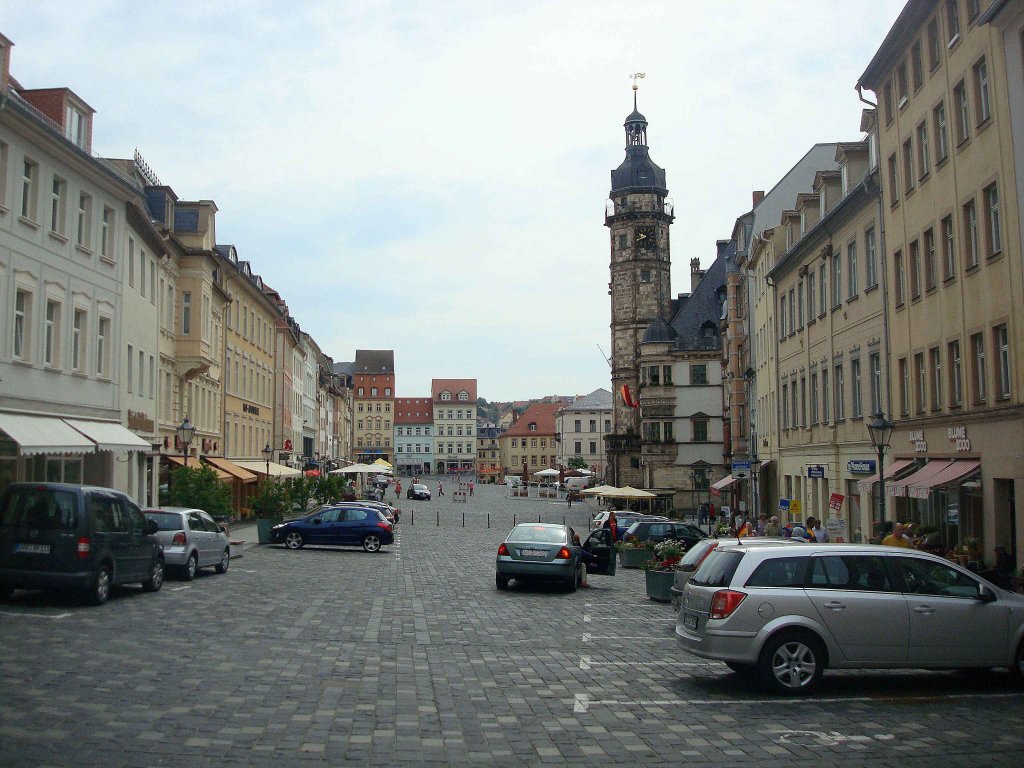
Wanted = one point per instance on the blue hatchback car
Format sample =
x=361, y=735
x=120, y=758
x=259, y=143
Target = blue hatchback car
x=345, y=526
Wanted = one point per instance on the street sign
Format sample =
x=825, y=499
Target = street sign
x=783, y=505
x=740, y=468
x=815, y=470
x=861, y=467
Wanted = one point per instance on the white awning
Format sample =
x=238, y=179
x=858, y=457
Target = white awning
x=110, y=436
x=260, y=468
x=44, y=434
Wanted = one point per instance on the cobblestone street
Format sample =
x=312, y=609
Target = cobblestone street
x=411, y=656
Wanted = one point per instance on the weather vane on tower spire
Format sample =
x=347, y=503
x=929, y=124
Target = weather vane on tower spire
x=634, y=77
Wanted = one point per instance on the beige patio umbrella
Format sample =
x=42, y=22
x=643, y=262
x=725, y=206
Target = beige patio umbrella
x=599, y=490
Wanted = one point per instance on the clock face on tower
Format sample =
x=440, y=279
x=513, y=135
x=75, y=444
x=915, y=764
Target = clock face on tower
x=643, y=237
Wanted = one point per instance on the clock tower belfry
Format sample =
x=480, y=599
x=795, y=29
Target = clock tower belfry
x=638, y=216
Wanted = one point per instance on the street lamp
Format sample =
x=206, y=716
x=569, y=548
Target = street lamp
x=880, y=429
x=185, y=431
x=267, y=452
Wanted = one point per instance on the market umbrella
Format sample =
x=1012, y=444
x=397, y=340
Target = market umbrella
x=600, y=490
x=355, y=469
x=382, y=463
x=550, y=472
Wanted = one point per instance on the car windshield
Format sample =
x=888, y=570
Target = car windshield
x=718, y=569
x=39, y=508
x=166, y=521
x=540, y=533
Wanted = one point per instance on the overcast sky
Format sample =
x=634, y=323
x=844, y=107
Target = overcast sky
x=430, y=177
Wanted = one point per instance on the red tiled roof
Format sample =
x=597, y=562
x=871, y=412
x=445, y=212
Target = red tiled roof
x=414, y=410
x=437, y=386
x=541, y=414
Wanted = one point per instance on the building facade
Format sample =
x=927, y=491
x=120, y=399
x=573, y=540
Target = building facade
x=414, y=438
x=952, y=240
x=374, y=399
x=454, y=402
x=489, y=468
x=63, y=352
x=581, y=427
x=830, y=347
x=529, y=445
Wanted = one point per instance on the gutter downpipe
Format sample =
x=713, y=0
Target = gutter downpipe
x=883, y=252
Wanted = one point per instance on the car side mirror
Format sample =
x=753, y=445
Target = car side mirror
x=151, y=527
x=985, y=593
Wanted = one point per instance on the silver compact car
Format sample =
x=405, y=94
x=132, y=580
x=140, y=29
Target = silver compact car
x=786, y=613
x=191, y=540
x=546, y=551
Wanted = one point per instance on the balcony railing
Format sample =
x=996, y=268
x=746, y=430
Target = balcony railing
x=659, y=448
x=622, y=443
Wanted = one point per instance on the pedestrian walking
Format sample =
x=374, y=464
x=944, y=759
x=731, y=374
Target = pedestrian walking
x=470, y=487
x=440, y=488
x=568, y=498
x=398, y=489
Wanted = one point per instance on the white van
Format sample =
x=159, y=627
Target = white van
x=577, y=483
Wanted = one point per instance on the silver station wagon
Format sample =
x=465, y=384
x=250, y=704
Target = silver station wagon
x=786, y=613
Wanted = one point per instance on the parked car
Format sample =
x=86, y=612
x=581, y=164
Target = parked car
x=655, y=530
x=191, y=540
x=345, y=526
x=391, y=513
x=546, y=551
x=696, y=555
x=75, y=537
x=788, y=612
x=623, y=519
x=418, y=491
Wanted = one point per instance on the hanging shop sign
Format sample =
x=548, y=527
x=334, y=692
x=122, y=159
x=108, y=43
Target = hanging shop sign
x=816, y=471
x=861, y=467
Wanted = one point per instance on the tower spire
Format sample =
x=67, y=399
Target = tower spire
x=634, y=77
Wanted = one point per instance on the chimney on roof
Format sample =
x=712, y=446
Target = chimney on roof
x=696, y=273
x=758, y=197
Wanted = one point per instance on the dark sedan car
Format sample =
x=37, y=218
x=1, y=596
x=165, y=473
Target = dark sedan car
x=418, y=491
x=655, y=531
x=344, y=526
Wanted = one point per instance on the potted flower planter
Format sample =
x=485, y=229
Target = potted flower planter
x=659, y=585
x=634, y=557
x=263, y=526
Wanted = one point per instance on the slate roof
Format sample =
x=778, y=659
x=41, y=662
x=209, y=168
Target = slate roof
x=374, y=361
x=346, y=368
x=799, y=178
x=704, y=306
x=599, y=399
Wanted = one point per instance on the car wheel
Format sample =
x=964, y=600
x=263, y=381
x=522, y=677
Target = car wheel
x=371, y=543
x=225, y=560
x=501, y=582
x=100, y=590
x=572, y=581
x=293, y=540
x=792, y=663
x=189, y=572
x=156, y=577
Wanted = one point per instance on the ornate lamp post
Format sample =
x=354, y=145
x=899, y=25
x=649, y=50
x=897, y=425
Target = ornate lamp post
x=185, y=431
x=880, y=429
x=268, y=453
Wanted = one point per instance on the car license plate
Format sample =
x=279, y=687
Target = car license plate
x=690, y=621
x=33, y=549
x=533, y=552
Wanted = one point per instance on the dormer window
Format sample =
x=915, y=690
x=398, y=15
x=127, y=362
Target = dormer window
x=446, y=396
x=463, y=395
x=533, y=426
x=74, y=126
